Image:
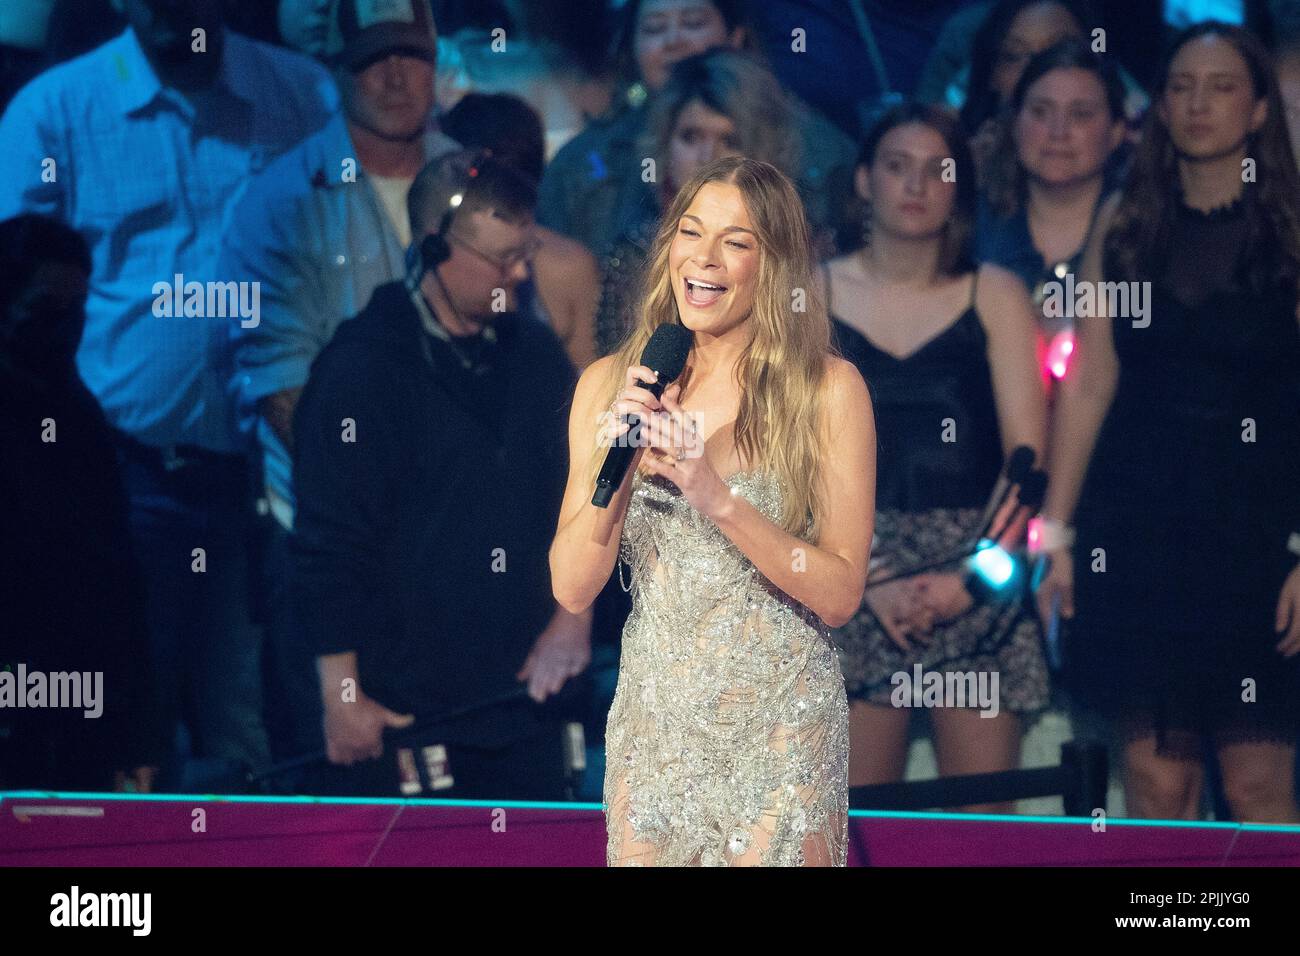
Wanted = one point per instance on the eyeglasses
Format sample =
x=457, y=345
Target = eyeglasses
x=508, y=263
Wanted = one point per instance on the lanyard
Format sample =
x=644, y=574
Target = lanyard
x=435, y=328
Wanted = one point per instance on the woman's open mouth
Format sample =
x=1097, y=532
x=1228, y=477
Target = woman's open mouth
x=702, y=294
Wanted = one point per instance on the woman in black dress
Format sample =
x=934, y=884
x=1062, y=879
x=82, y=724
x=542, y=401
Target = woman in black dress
x=1178, y=435
x=949, y=355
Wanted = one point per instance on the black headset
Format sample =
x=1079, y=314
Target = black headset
x=432, y=251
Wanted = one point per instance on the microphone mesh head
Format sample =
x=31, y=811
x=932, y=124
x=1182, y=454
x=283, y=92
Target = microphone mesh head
x=667, y=350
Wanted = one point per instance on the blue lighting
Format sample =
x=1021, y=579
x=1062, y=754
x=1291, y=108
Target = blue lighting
x=992, y=563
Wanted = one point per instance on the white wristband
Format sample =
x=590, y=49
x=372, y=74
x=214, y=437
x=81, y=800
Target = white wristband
x=1048, y=534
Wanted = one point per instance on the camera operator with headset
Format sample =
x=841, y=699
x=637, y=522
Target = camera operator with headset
x=429, y=465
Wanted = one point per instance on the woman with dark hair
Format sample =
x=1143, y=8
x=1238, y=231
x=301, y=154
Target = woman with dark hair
x=1053, y=166
x=715, y=104
x=1013, y=33
x=948, y=350
x=1176, y=447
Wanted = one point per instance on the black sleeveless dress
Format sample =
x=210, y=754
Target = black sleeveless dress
x=930, y=497
x=1190, y=496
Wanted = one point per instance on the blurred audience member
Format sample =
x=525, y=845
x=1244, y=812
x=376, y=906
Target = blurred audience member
x=551, y=53
x=144, y=146
x=23, y=30
x=429, y=465
x=581, y=188
x=851, y=60
x=1052, y=169
x=564, y=286
x=715, y=104
x=939, y=340
x=1288, y=81
x=585, y=187
x=1012, y=34
x=319, y=231
x=71, y=595
x=1176, y=448
x=308, y=26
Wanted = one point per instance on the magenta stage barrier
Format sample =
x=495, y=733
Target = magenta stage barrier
x=82, y=829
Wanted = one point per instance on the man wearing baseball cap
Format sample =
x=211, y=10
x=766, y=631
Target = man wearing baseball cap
x=372, y=29
x=320, y=230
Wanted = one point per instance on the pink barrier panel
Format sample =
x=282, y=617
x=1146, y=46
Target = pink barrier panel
x=98, y=830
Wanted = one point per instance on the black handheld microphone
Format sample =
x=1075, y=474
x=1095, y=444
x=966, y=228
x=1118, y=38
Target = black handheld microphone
x=666, y=354
x=1032, y=492
x=1018, y=467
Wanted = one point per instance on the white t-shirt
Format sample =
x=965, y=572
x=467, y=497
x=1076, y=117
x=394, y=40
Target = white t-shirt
x=392, y=192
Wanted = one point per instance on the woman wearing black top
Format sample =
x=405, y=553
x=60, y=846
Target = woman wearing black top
x=1183, y=595
x=951, y=396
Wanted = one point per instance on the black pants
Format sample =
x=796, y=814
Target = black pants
x=291, y=688
x=528, y=769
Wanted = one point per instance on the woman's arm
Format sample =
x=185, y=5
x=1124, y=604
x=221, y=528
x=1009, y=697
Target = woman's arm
x=1086, y=391
x=586, y=541
x=1014, y=350
x=828, y=578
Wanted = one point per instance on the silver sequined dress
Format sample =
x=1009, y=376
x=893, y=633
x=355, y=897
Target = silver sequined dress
x=727, y=741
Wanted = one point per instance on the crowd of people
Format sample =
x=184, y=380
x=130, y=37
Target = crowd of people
x=292, y=310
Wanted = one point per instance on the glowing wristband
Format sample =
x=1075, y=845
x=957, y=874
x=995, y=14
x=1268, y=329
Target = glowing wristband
x=1048, y=534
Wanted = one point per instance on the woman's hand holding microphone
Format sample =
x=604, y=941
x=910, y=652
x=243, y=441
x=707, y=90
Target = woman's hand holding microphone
x=672, y=444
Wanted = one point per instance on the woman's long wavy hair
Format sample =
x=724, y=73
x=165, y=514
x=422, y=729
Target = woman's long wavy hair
x=781, y=371
x=1137, y=242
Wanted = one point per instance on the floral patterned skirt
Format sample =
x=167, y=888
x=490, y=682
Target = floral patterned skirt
x=989, y=638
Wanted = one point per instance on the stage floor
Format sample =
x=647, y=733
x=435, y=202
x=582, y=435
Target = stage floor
x=40, y=828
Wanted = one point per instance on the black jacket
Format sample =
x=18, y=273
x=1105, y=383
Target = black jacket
x=423, y=544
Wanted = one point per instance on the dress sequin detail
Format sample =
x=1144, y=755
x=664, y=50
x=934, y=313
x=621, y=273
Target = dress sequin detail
x=727, y=741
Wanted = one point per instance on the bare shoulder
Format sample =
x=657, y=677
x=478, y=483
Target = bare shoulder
x=1002, y=299
x=565, y=259
x=997, y=283
x=843, y=388
x=592, y=379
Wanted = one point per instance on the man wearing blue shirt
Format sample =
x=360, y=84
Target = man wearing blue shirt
x=143, y=146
